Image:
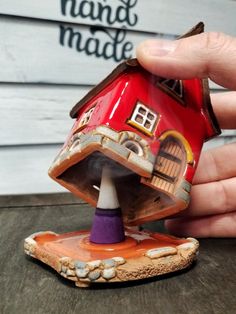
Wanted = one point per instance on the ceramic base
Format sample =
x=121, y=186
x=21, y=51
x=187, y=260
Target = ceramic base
x=141, y=255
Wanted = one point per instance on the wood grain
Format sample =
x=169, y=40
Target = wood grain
x=39, y=200
x=24, y=169
x=38, y=114
x=28, y=286
x=31, y=52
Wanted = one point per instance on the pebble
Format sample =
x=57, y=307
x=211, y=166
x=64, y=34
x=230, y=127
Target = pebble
x=193, y=240
x=162, y=251
x=119, y=260
x=94, y=264
x=30, y=241
x=94, y=275
x=109, y=273
x=82, y=273
x=80, y=264
x=140, y=237
x=70, y=272
x=186, y=246
x=64, y=269
x=65, y=260
x=108, y=263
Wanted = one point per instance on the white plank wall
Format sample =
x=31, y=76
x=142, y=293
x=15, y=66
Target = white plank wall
x=24, y=169
x=31, y=52
x=36, y=114
x=41, y=78
x=157, y=16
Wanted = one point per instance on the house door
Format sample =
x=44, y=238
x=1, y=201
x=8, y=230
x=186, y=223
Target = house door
x=170, y=165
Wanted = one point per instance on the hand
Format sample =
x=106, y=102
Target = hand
x=212, y=210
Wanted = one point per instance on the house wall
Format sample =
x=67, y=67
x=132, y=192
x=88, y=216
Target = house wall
x=42, y=77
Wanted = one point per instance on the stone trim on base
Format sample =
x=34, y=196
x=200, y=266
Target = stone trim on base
x=152, y=262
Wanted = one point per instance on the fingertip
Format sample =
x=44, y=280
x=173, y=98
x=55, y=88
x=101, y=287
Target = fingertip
x=143, y=56
x=201, y=56
x=153, y=55
x=156, y=48
x=215, y=226
x=184, y=227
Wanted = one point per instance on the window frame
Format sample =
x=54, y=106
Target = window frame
x=141, y=126
x=83, y=125
x=170, y=91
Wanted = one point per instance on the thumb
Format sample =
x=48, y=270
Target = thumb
x=210, y=55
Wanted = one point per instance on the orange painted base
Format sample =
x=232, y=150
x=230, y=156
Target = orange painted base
x=141, y=255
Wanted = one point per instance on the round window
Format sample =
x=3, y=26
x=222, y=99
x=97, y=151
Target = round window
x=134, y=147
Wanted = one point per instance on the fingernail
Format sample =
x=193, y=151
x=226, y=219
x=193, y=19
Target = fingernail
x=159, y=48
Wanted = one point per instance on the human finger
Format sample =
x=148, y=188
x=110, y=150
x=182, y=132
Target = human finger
x=212, y=198
x=224, y=105
x=223, y=225
x=216, y=164
x=210, y=55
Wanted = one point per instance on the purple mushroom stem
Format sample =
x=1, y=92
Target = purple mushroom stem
x=107, y=227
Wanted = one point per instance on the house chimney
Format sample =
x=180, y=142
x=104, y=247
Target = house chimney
x=107, y=224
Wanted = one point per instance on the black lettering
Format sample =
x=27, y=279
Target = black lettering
x=72, y=9
x=118, y=39
x=91, y=47
x=127, y=50
x=74, y=38
x=108, y=51
x=115, y=47
x=101, y=12
x=82, y=9
x=123, y=14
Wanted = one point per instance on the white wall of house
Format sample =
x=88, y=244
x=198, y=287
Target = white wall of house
x=42, y=77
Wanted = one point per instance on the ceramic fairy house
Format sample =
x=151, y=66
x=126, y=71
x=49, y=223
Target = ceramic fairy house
x=152, y=127
x=147, y=133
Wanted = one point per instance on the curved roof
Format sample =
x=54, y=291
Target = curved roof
x=132, y=65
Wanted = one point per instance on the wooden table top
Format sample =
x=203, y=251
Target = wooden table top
x=29, y=286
